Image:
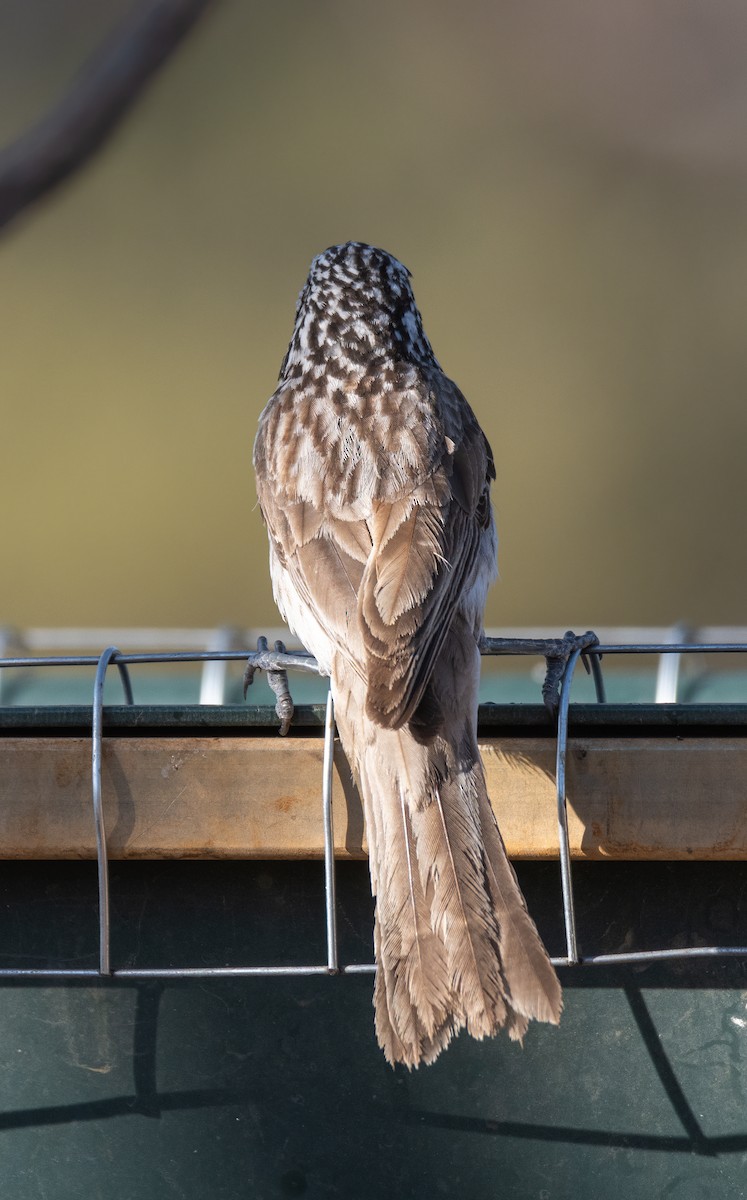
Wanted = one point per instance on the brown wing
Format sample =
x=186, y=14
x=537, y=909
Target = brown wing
x=324, y=560
x=381, y=575
x=423, y=557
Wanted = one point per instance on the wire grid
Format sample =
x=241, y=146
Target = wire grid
x=265, y=660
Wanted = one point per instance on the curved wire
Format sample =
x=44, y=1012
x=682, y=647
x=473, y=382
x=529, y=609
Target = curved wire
x=102, y=861
x=569, y=916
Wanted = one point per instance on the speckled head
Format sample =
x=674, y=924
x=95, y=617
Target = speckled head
x=357, y=312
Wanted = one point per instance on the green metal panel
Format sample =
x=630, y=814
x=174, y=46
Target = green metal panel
x=275, y=1088
x=517, y=719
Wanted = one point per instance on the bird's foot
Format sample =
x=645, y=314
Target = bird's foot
x=277, y=677
x=557, y=659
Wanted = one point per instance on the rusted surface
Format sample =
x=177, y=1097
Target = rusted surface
x=260, y=797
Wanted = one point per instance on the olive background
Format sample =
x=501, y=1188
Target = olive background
x=567, y=184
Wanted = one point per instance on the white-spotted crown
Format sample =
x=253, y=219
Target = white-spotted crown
x=356, y=310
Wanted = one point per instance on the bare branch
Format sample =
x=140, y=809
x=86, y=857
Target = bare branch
x=100, y=97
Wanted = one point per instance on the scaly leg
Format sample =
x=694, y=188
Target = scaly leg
x=277, y=677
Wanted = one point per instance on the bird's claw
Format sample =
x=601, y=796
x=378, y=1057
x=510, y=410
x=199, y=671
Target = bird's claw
x=557, y=663
x=277, y=678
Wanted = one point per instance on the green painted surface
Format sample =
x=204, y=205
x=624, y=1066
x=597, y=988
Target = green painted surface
x=194, y=720
x=274, y=1088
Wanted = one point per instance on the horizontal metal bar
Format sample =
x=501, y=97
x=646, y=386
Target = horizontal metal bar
x=299, y=661
x=306, y=662
x=588, y=960
x=670, y=648
x=51, y=973
x=539, y=646
x=157, y=972
x=211, y=972
x=63, y=660
x=215, y=972
x=303, y=661
x=644, y=956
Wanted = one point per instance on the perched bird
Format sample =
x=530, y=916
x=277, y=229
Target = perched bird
x=373, y=478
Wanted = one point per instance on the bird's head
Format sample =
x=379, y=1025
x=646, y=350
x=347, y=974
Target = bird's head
x=356, y=309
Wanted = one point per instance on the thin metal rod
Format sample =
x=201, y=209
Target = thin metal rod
x=569, y=916
x=50, y=973
x=124, y=676
x=58, y=660
x=539, y=647
x=642, y=956
x=213, y=972
x=156, y=972
x=646, y=956
x=669, y=648
x=305, y=662
x=333, y=963
x=111, y=654
x=102, y=861
x=596, y=674
x=590, y=960
x=297, y=661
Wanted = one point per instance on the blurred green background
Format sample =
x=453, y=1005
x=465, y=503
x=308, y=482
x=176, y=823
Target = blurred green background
x=568, y=185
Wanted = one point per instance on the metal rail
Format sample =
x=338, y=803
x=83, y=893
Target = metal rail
x=263, y=659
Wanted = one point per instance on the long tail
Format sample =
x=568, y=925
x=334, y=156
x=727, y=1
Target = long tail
x=454, y=943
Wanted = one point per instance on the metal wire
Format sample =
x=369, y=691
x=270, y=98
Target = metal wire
x=333, y=964
x=265, y=660
x=180, y=972
x=302, y=661
x=669, y=648
x=297, y=661
x=569, y=915
x=596, y=674
x=102, y=858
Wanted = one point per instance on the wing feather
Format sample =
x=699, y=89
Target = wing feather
x=424, y=557
x=325, y=571
x=383, y=580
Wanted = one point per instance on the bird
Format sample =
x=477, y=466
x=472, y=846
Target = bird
x=373, y=478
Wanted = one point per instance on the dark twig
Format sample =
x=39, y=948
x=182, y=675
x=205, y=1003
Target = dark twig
x=67, y=136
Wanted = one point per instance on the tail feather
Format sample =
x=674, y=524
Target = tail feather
x=413, y=1002
x=397, y=1018
x=455, y=945
x=534, y=988
x=449, y=856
